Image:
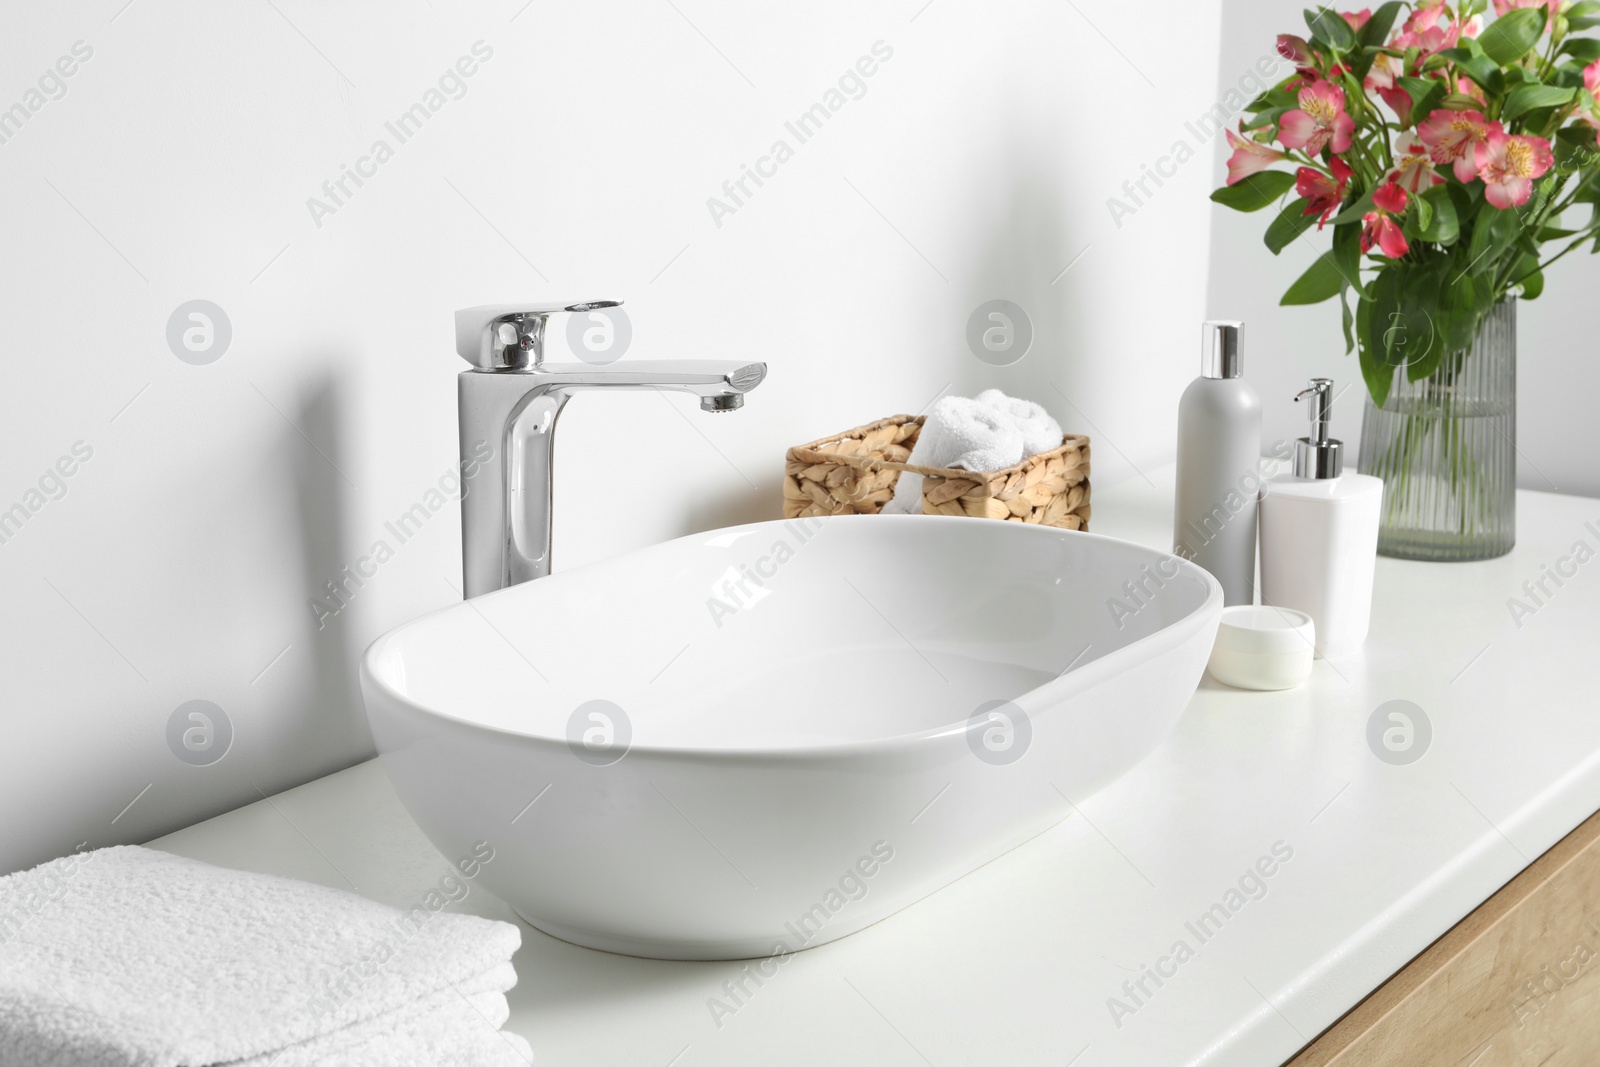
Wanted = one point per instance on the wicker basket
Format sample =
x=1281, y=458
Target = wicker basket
x=854, y=473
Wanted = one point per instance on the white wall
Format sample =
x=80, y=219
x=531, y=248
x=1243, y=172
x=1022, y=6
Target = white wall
x=218, y=499
x=1558, y=376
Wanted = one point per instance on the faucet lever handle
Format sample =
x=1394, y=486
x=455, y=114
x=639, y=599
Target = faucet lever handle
x=510, y=336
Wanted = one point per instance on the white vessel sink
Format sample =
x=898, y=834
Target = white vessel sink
x=805, y=726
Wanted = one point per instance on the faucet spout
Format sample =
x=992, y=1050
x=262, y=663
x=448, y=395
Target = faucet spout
x=508, y=413
x=704, y=377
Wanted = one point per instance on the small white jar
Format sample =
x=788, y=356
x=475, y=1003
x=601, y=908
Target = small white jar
x=1263, y=647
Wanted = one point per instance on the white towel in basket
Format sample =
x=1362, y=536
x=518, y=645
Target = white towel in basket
x=988, y=433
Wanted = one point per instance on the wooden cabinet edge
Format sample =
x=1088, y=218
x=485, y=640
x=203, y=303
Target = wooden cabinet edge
x=1509, y=984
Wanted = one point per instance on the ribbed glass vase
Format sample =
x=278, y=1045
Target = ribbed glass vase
x=1445, y=448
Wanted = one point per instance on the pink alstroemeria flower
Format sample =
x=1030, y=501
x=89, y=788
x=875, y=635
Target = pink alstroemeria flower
x=1591, y=82
x=1413, y=168
x=1383, y=77
x=1425, y=17
x=1503, y=6
x=1509, y=164
x=1471, y=28
x=1426, y=41
x=1379, y=228
x=1429, y=31
x=1453, y=137
x=1322, y=192
x=1356, y=19
x=1294, y=49
x=1319, y=121
x=1249, y=157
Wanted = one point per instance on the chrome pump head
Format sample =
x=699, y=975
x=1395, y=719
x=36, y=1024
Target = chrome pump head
x=1318, y=457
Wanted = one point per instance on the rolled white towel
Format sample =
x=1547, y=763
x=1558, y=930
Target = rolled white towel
x=128, y=955
x=959, y=432
x=968, y=435
x=1040, y=432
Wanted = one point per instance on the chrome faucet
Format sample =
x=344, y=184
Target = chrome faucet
x=509, y=403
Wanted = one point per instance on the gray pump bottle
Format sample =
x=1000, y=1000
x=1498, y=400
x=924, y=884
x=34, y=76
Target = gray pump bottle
x=1219, y=455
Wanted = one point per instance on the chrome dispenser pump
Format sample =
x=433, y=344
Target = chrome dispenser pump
x=1319, y=456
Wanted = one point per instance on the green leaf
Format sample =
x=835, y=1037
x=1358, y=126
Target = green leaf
x=1420, y=365
x=1526, y=242
x=1575, y=148
x=1444, y=226
x=1376, y=30
x=1520, y=75
x=1266, y=117
x=1466, y=198
x=1371, y=37
x=1529, y=276
x=1460, y=307
x=1543, y=191
x=1425, y=95
x=1477, y=66
x=1483, y=291
x=1583, y=49
x=1348, y=321
x=1291, y=222
x=1424, y=312
x=1277, y=96
x=1375, y=318
x=1354, y=210
x=1256, y=191
x=1329, y=29
x=1363, y=324
x=1527, y=98
x=1583, y=16
x=1492, y=233
x=1320, y=281
x=1587, y=191
x=1360, y=62
x=1419, y=218
x=1510, y=36
x=1347, y=253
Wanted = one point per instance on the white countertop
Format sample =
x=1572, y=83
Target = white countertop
x=1016, y=962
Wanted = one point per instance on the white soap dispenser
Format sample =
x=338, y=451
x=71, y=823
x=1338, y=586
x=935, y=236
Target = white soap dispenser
x=1319, y=535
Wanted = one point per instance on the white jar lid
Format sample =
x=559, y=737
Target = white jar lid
x=1263, y=647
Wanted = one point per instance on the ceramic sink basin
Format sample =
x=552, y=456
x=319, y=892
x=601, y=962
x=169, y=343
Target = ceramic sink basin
x=754, y=740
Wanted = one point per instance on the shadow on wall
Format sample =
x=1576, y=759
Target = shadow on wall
x=331, y=698
x=310, y=689
x=1026, y=262
x=736, y=505
x=1024, y=249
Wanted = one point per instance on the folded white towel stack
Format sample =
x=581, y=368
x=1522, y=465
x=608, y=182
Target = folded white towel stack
x=128, y=957
x=989, y=433
x=1040, y=432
